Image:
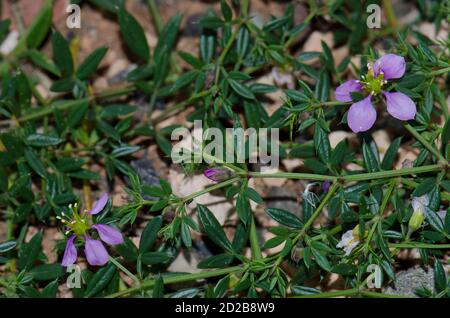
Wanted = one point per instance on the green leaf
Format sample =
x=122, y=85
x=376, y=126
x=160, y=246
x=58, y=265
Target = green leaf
x=167, y=39
x=29, y=252
x=321, y=260
x=241, y=89
x=285, y=218
x=158, y=289
x=186, y=235
x=100, y=280
x=185, y=293
x=40, y=140
x=77, y=114
x=391, y=154
x=91, y=63
x=211, y=22
x=47, y=272
x=153, y=191
x=39, y=59
x=338, y=154
x=62, y=55
x=242, y=42
x=124, y=150
x=40, y=26
x=306, y=56
x=370, y=159
x=322, y=144
x=84, y=175
x=7, y=246
x=226, y=10
x=150, y=234
x=128, y=250
x=322, y=87
x=424, y=187
x=345, y=269
x=221, y=287
x=213, y=228
x=434, y=219
x=152, y=258
x=4, y=29
x=109, y=5
x=329, y=61
x=296, y=95
x=35, y=163
x=108, y=130
x=253, y=195
x=164, y=144
x=50, y=290
x=243, y=208
x=439, y=276
x=216, y=261
x=274, y=241
x=190, y=59
x=113, y=111
x=184, y=80
x=64, y=85
x=134, y=35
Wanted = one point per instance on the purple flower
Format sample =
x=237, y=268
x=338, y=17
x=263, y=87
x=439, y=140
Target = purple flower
x=217, y=175
x=326, y=186
x=362, y=115
x=81, y=225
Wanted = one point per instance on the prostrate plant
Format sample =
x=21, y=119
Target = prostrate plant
x=53, y=152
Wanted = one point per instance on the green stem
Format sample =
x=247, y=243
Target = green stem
x=384, y=203
x=348, y=178
x=316, y=213
x=424, y=142
x=126, y=271
x=209, y=189
x=41, y=112
x=419, y=245
x=178, y=279
x=224, y=53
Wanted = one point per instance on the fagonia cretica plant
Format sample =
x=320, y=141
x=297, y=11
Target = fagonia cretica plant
x=353, y=123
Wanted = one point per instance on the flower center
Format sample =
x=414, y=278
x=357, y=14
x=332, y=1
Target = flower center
x=78, y=223
x=371, y=82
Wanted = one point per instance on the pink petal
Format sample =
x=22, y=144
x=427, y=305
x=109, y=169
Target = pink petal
x=400, y=106
x=392, y=65
x=70, y=253
x=361, y=115
x=100, y=204
x=343, y=91
x=96, y=253
x=109, y=234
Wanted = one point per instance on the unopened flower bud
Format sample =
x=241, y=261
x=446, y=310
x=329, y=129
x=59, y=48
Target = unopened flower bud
x=217, y=175
x=418, y=204
x=416, y=220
